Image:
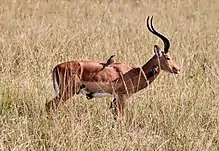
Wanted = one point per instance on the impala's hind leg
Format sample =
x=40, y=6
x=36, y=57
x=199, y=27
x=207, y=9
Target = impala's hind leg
x=66, y=92
x=58, y=100
x=53, y=104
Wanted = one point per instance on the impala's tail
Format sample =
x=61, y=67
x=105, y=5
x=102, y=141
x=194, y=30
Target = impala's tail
x=55, y=80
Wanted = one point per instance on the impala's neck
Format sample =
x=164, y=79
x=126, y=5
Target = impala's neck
x=152, y=63
x=134, y=81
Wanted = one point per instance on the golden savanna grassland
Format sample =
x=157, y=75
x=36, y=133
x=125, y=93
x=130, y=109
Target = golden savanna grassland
x=174, y=113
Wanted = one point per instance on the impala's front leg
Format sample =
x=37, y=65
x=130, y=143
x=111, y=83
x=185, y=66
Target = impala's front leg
x=118, y=107
x=113, y=107
x=121, y=106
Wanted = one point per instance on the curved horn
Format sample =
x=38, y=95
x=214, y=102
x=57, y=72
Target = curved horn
x=152, y=30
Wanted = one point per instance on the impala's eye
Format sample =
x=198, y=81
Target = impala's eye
x=168, y=58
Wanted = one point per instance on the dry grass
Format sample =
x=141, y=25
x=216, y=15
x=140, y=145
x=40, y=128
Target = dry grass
x=174, y=113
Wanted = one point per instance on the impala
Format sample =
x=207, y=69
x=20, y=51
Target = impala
x=118, y=80
x=68, y=77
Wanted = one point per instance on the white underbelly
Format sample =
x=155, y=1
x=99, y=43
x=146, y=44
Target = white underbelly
x=96, y=94
x=101, y=95
x=98, y=90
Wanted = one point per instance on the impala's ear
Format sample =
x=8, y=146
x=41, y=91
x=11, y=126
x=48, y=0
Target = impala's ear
x=157, y=51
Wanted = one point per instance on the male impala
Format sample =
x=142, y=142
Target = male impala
x=118, y=80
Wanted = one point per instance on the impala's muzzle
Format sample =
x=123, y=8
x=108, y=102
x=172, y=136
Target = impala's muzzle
x=175, y=70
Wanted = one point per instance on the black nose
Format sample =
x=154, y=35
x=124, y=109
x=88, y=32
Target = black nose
x=176, y=70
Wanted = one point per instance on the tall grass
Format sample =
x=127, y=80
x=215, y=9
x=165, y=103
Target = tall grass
x=174, y=113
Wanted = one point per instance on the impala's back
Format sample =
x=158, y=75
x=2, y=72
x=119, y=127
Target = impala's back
x=92, y=71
